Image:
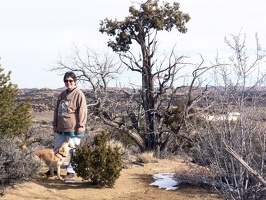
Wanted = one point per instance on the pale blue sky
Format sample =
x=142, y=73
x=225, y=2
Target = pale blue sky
x=33, y=32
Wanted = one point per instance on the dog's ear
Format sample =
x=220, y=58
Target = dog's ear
x=64, y=149
x=61, y=150
x=37, y=153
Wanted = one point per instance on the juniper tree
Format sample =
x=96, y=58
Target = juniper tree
x=15, y=117
x=99, y=162
x=142, y=27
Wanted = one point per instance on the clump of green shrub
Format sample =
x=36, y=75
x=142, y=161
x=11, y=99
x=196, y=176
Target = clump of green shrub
x=98, y=163
x=15, y=117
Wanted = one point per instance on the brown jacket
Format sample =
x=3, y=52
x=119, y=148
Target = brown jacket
x=71, y=111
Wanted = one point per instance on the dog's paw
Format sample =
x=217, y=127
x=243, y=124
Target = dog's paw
x=52, y=177
x=60, y=178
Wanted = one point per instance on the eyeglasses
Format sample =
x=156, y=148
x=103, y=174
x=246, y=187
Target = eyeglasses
x=70, y=81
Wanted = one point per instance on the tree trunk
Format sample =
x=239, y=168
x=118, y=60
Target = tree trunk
x=148, y=99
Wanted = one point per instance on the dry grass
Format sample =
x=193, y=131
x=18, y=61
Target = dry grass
x=147, y=157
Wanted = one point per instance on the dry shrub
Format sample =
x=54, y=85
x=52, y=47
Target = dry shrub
x=195, y=176
x=146, y=157
x=117, y=144
x=16, y=165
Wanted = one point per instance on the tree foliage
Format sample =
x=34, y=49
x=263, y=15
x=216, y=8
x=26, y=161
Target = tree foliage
x=15, y=117
x=151, y=17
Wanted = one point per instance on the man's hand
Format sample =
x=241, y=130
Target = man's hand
x=80, y=130
x=54, y=129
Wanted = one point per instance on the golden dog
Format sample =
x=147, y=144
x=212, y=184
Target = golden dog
x=54, y=159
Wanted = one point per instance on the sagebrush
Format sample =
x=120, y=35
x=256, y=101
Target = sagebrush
x=16, y=165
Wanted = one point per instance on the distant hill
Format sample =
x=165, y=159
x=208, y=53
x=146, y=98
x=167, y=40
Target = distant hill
x=44, y=99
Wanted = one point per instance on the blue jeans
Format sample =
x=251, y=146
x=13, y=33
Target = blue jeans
x=60, y=139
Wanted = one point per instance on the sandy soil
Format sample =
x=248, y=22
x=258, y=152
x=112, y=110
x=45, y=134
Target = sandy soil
x=134, y=183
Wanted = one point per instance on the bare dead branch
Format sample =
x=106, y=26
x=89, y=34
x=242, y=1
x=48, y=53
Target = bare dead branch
x=250, y=170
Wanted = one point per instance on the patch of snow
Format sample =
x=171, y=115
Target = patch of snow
x=165, y=181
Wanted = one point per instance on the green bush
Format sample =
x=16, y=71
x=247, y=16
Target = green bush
x=15, y=117
x=98, y=163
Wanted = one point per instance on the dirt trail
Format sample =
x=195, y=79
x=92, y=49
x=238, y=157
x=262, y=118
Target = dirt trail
x=132, y=184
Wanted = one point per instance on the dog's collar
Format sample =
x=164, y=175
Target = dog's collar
x=61, y=155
